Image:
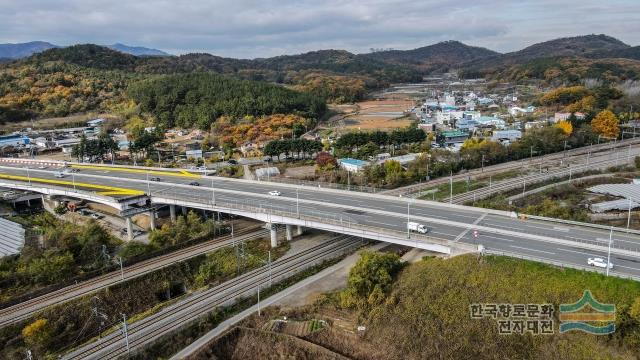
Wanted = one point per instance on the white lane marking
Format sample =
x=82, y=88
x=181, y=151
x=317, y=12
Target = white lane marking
x=497, y=238
x=579, y=252
x=528, y=249
x=626, y=267
x=559, y=228
x=462, y=234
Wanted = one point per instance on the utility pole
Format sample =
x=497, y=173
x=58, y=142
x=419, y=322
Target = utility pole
x=531, y=154
x=258, y=300
x=121, y=268
x=482, y=163
x=125, y=333
x=270, y=273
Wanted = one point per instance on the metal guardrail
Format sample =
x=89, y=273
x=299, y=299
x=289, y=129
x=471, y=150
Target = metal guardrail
x=558, y=263
x=321, y=184
x=338, y=220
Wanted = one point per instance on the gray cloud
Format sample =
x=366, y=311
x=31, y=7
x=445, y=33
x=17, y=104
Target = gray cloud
x=250, y=28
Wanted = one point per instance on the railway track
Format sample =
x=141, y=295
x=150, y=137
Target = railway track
x=27, y=308
x=180, y=314
x=520, y=182
x=516, y=164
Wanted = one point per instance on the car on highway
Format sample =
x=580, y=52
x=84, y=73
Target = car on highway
x=599, y=262
x=59, y=174
x=96, y=216
x=274, y=193
x=155, y=178
x=42, y=167
x=194, y=183
x=232, y=162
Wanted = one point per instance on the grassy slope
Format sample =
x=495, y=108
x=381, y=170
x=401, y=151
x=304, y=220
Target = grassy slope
x=427, y=313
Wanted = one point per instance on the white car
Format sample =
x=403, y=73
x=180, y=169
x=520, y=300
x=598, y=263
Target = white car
x=42, y=167
x=275, y=193
x=599, y=262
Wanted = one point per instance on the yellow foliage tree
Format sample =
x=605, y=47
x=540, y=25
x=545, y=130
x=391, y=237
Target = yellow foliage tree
x=565, y=126
x=606, y=124
x=38, y=333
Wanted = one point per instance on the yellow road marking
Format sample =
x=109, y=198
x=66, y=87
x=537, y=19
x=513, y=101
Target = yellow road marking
x=181, y=173
x=108, y=190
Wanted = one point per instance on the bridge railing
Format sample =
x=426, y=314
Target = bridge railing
x=274, y=211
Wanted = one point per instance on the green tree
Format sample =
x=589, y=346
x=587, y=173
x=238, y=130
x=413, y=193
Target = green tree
x=370, y=278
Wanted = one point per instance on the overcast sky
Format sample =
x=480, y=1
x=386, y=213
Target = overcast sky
x=261, y=28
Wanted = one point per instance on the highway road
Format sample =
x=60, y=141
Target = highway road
x=454, y=224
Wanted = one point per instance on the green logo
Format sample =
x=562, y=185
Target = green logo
x=573, y=316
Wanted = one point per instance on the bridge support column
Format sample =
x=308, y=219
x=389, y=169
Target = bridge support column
x=172, y=213
x=289, y=232
x=129, y=228
x=299, y=230
x=152, y=219
x=184, y=210
x=274, y=235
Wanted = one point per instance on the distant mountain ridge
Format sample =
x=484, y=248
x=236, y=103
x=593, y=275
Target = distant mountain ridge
x=23, y=50
x=438, y=56
x=577, y=46
x=137, y=50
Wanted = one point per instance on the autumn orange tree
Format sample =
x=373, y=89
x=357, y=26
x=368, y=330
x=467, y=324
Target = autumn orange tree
x=606, y=124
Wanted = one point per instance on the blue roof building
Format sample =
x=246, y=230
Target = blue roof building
x=352, y=165
x=13, y=140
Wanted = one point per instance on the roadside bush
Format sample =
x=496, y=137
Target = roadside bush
x=370, y=280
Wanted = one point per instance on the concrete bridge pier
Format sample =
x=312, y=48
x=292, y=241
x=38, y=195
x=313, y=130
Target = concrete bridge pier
x=299, y=230
x=289, y=232
x=274, y=235
x=152, y=219
x=172, y=213
x=184, y=210
x=129, y=224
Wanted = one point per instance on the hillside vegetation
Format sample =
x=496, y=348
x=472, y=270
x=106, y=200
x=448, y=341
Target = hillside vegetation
x=422, y=311
x=198, y=99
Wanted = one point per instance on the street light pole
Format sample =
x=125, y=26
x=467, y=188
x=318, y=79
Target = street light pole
x=629, y=215
x=408, y=220
x=213, y=193
x=609, y=252
x=451, y=187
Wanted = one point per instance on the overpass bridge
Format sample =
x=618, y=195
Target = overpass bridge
x=378, y=217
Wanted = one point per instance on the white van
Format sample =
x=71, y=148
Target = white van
x=413, y=226
x=59, y=174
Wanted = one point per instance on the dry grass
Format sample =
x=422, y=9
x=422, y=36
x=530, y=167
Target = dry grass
x=386, y=114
